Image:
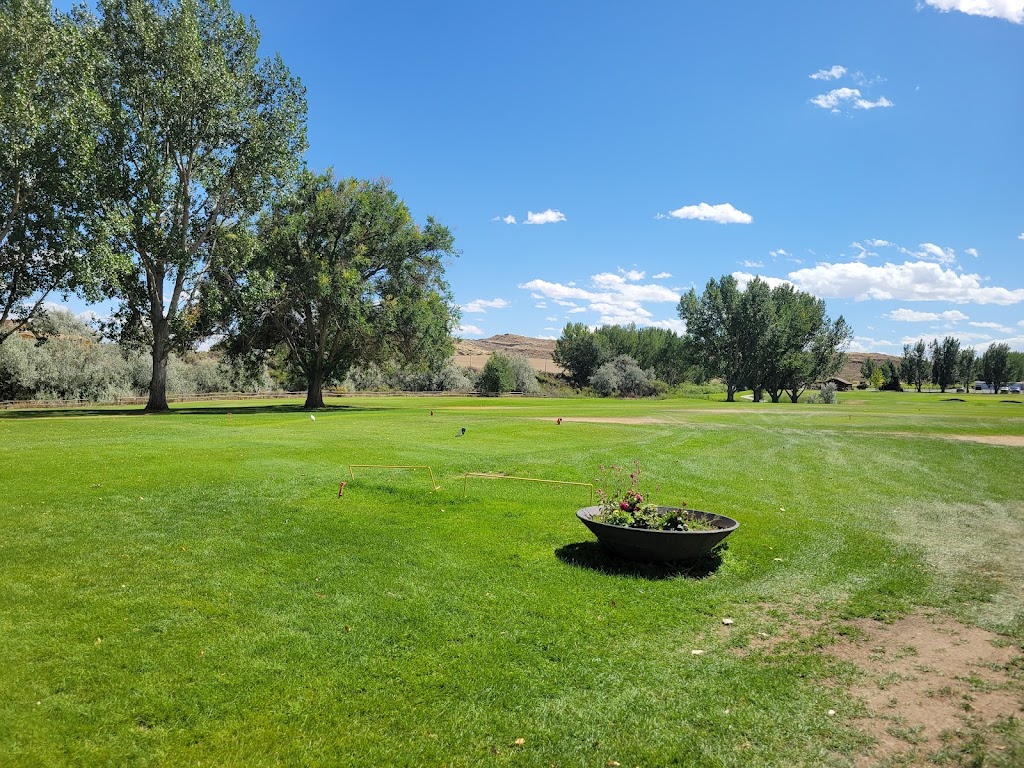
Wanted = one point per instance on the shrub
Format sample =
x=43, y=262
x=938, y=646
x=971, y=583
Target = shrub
x=497, y=375
x=827, y=395
x=624, y=377
x=526, y=377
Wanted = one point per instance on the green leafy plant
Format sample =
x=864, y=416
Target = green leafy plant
x=624, y=504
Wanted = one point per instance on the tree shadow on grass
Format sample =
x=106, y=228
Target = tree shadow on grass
x=242, y=409
x=591, y=555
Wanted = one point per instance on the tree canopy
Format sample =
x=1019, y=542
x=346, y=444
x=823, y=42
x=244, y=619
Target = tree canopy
x=914, y=364
x=49, y=117
x=776, y=340
x=200, y=131
x=945, y=357
x=343, y=275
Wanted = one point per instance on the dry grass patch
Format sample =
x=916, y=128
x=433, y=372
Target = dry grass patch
x=931, y=685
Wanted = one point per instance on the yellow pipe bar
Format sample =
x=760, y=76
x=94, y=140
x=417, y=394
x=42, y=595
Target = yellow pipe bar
x=486, y=476
x=394, y=466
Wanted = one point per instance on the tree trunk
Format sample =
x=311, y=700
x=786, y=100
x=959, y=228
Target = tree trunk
x=775, y=396
x=730, y=392
x=158, y=383
x=757, y=394
x=314, y=392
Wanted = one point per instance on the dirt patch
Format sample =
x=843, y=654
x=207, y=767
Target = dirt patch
x=1010, y=441
x=930, y=684
x=619, y=420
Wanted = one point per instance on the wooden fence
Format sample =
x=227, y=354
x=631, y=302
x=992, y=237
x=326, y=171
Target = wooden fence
x=209, y=396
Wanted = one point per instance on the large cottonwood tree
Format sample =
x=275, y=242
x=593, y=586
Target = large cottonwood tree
x=49, y=117
x=201, y=131
x=343, y=275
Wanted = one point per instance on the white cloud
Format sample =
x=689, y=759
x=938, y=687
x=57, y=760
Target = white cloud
x=666, y=275
x=541, y=305
x=1011, y=10
x=510, y=219
x=549, y=338
x=751, y=264
x=862, y=252
x=780, y=252
x=873, y=243
x=933, y=252
x=910, y=281
x=972, y=252
x=723, y=213
x=677, y=325
x=867, y=344
x=633, y=274
x=994, y=326
x=743, y=279
x=611, y=296
x=829, y=74
x=562, y=303
x=913, y=316
x=552, y=319
x=550, y=216
x=469, y=330
x=963, y=336
x=621, y=314
x=838, y=98
x=482, y=305
x=1016, y=344
x=866, y=104
x=1020, y=236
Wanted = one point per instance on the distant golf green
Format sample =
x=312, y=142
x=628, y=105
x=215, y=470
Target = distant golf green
x=188, y=588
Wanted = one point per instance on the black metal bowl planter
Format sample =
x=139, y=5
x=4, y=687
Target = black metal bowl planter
x=660, y=546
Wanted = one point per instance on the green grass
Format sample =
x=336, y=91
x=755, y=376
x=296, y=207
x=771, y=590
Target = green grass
x=188, y=589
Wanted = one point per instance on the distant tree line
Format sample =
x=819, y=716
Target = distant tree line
x=769, y=340
x=946, y=364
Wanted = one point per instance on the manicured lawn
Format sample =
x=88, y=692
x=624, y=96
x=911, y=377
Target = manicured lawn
x=188, y=589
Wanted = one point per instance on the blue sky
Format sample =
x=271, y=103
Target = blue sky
x=596, y=160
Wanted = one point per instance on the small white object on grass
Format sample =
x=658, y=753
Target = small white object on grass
x=312, y=417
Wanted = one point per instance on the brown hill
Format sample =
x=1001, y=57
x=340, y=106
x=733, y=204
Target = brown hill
x=851, y=370
x=473, y=353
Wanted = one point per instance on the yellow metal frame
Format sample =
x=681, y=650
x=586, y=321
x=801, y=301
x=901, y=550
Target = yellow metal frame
x=491, y=476
x=393, y=466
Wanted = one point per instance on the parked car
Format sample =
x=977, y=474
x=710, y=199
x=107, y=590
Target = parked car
x=1015, y=389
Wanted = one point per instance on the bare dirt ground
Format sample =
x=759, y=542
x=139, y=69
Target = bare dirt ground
x=932, y=688
x=930, y=684
x=1012, y=441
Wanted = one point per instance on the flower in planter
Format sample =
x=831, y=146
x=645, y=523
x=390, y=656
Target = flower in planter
x=623, y=504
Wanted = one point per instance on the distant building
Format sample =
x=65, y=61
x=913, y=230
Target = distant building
x=841, y=385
